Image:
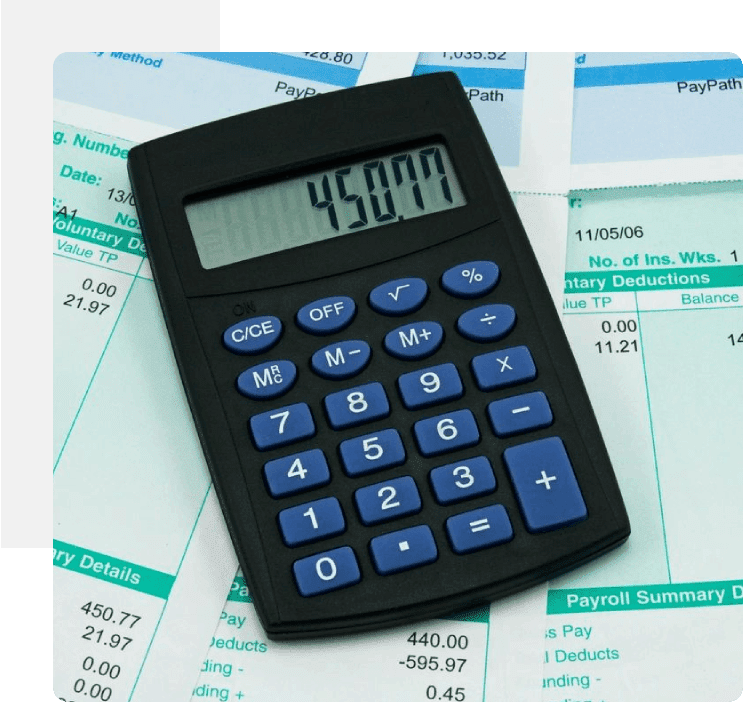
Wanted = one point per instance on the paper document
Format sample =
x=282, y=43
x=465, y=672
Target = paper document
x=654, y=312
x=653, y=118
x=443, y=659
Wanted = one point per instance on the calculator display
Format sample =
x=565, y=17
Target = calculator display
x=299, y=210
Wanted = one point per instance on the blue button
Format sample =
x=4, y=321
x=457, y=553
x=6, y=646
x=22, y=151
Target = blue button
x=520, y=413
x=267, y=380
x=479, y=528
x=252, y=335
x=416, y=340
x=373, y=452
x=296, y=473
x=501, y=369
x=446, y=432
x=462, y=480
x=388, y=500
x=473, y=279
x=342, y=360
x=487, y=323
x=399, y=297
x=354, y=406
x=331, y=314
x=545, y=484
x=282, y=426
x=430, y=386
x=326, y=571
x=403, y=549
x=311, y=521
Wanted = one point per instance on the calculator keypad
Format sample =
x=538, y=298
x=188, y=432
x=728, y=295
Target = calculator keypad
x=342, y=360
x=478, y=529
x=521, y=413
x=446, y=432
x=311, y=521
x=349, y=408
x=327, y=571
x=547, y=495
x=254, y=335
x=282, y=426
x=501, y=369
x=402, y=550
x=331, y=314
x=372, y=452
x=398, y=297
x=267, y=380
x=388, y=500
x=430, y=386
x=487, y=323
x=296, y=473
x=462, y=480
x=545, y=484
x=414, y=341
x=471, y=279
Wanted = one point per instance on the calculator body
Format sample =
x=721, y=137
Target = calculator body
x=326, y=132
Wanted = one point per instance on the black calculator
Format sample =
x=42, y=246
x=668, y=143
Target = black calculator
x=387, y=402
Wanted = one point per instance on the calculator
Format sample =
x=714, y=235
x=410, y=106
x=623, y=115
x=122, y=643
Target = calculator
x=390, y=411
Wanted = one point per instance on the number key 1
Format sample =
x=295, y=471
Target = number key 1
x=311, y=521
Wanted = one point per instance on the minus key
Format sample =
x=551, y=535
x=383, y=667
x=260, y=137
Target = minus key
x=518, y=414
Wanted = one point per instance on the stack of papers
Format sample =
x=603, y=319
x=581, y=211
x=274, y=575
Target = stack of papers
x=650, y=279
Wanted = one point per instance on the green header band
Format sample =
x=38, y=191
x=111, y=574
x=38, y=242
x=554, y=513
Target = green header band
x=239, y=590
x=99, y=234
x=112, y=570
x=720, y=593
x=653, y=279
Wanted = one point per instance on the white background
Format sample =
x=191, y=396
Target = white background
x=26, y=273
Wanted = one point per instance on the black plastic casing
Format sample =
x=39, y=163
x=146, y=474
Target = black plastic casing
x=198, y=304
